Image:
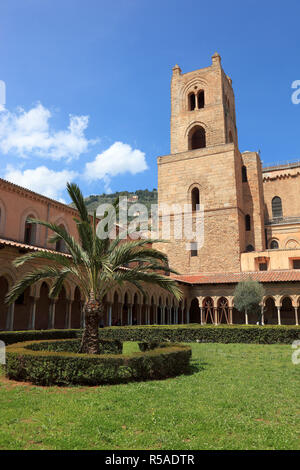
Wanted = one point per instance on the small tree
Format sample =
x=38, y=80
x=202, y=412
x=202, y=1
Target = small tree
x=247, y=297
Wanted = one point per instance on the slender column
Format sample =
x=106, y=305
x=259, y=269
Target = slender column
x=230, y=315
x=182, y=315
x=82, y=316
x=216, y=315
x=51, y=319
x=148, y=308
x=176, y=315
x=278, y=315
x=68, y=320
x=10, y=317
x=246, y=317
x=129, y=315
x=156, y=315
x=296, y=316
x=31, y=324
x=188, y=315
x=262, y=315
x=109, y=314
x=201, y=315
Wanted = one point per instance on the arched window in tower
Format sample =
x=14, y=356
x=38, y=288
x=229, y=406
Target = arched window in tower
x=276, y=207
x=274, y=245
x=192, y=101
x=60, y=244
x=30, y=232
x=197, y=138
x=249, y=248
x=200, y=99
x=248, y=222
x=195, y=199
x=244, y=174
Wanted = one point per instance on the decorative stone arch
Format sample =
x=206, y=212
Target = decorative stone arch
x=223, y=310
x=208, y=309
x=292, y=243
x=193, y=86
x=30, y=212
x=287, y=309
x=2, y=217
x=275, y=240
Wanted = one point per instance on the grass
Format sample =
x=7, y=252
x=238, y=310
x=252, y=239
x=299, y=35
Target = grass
x=240, y=396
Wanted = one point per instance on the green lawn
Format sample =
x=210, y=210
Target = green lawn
x=238, y=397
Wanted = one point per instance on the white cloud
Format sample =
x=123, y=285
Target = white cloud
x=42, y=180
x=29, y=133
x=119, y=158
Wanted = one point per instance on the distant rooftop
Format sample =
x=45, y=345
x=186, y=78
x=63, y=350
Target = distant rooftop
x=283, y=166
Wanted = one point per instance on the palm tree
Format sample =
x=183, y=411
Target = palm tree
x=96, y=264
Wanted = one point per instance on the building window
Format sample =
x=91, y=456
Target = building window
x=244, y=174
x=276, y=207
x=195, y=199
x=197, y=138
x=192, y=102
x=249, y=248
x=263, y=267
x=60, y=244
x=194, y=249
x=200, y=98
x=248, y=222
x=296, y=263
x=274, y=245
x=29, y=232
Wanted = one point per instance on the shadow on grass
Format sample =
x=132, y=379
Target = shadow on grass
x=196, y=365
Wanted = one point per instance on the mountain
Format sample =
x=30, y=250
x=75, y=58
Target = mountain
x=141, y=196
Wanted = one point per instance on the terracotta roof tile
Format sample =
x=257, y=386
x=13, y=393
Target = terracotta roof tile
x=231, y=278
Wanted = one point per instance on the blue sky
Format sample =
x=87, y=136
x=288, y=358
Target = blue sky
x=92, y=78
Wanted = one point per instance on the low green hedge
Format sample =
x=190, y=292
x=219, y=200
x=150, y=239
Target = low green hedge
x=204, y=334
x=11, y=337
x=107, y=346
x=67, y=368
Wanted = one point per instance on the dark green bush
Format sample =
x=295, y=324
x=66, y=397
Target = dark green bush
x=67, y=368
x=11, y=337
x=204, y=334
x=107, y=346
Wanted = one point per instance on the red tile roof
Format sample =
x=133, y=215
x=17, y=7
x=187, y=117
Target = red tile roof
x=24, y=246
x=232, y=278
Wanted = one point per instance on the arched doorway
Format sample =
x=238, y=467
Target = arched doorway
x=42, y=308
x=287, y=312
x=208, y=310
x=194, y=311
x=135, y=310
x=22, y=311
x=3, y=306
x=115, y=311
x=270, y=312
x=61, y=309
x=223, y=311
x=76, y=309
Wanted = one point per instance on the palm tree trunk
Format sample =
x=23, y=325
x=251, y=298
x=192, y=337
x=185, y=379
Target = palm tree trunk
x=90, y=339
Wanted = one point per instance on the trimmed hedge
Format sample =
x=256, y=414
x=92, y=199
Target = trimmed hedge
x=11, y=337
x=66, y=368
x=204, y=334
x=107, y=346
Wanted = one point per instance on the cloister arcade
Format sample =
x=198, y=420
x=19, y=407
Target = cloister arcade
x=35, y=310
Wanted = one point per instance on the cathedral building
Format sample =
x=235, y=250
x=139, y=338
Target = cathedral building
x=250, y=216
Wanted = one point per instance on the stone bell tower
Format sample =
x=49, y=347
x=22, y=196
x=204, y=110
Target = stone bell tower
x=205, y=167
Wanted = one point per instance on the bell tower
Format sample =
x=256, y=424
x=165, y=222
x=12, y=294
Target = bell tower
x=202, y=108
x=204, y=167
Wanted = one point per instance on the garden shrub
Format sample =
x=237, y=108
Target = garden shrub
x=204, y=334
x=10, y=337
x=107, y=346
x=45, y=367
